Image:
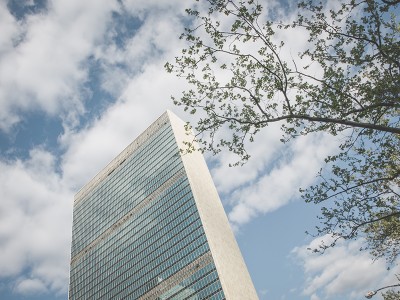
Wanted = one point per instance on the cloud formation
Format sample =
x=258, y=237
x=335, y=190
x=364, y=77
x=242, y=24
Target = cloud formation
x=34, y=224
x=342, y=271
x=41, y=66
x=273, y=176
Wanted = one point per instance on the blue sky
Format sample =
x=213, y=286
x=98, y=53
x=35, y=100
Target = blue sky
x=79, y=80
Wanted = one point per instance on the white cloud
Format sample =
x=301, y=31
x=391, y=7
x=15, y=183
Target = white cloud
x=34, y=224
x=263, y=151
x=279, y=176
x=44, y=70
x=30, y=286
x=155, y=39
x=9, y=28
x=142, y=96
x=342, y=270
x=144, y=99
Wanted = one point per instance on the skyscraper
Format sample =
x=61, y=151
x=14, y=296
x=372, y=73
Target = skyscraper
x=150, y=225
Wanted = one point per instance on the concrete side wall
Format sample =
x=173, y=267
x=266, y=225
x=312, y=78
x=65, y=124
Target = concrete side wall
x=232, y=271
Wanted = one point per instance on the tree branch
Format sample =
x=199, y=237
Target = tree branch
x=355, y=228
x=362, y=184
x=320, y=120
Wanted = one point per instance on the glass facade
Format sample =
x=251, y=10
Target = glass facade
x=137, y=233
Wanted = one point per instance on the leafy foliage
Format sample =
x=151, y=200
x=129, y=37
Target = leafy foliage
x=391, y=295
x=345, y=81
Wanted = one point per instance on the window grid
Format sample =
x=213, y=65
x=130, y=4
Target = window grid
x=160, y=236
x=110, y=185
x=168, y=223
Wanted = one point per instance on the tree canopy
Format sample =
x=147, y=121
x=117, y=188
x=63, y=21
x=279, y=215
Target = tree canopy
x=344, y=81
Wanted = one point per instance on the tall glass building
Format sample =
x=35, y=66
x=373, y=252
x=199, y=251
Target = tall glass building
x=150, y=225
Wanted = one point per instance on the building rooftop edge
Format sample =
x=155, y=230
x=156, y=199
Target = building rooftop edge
x=120, y=158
